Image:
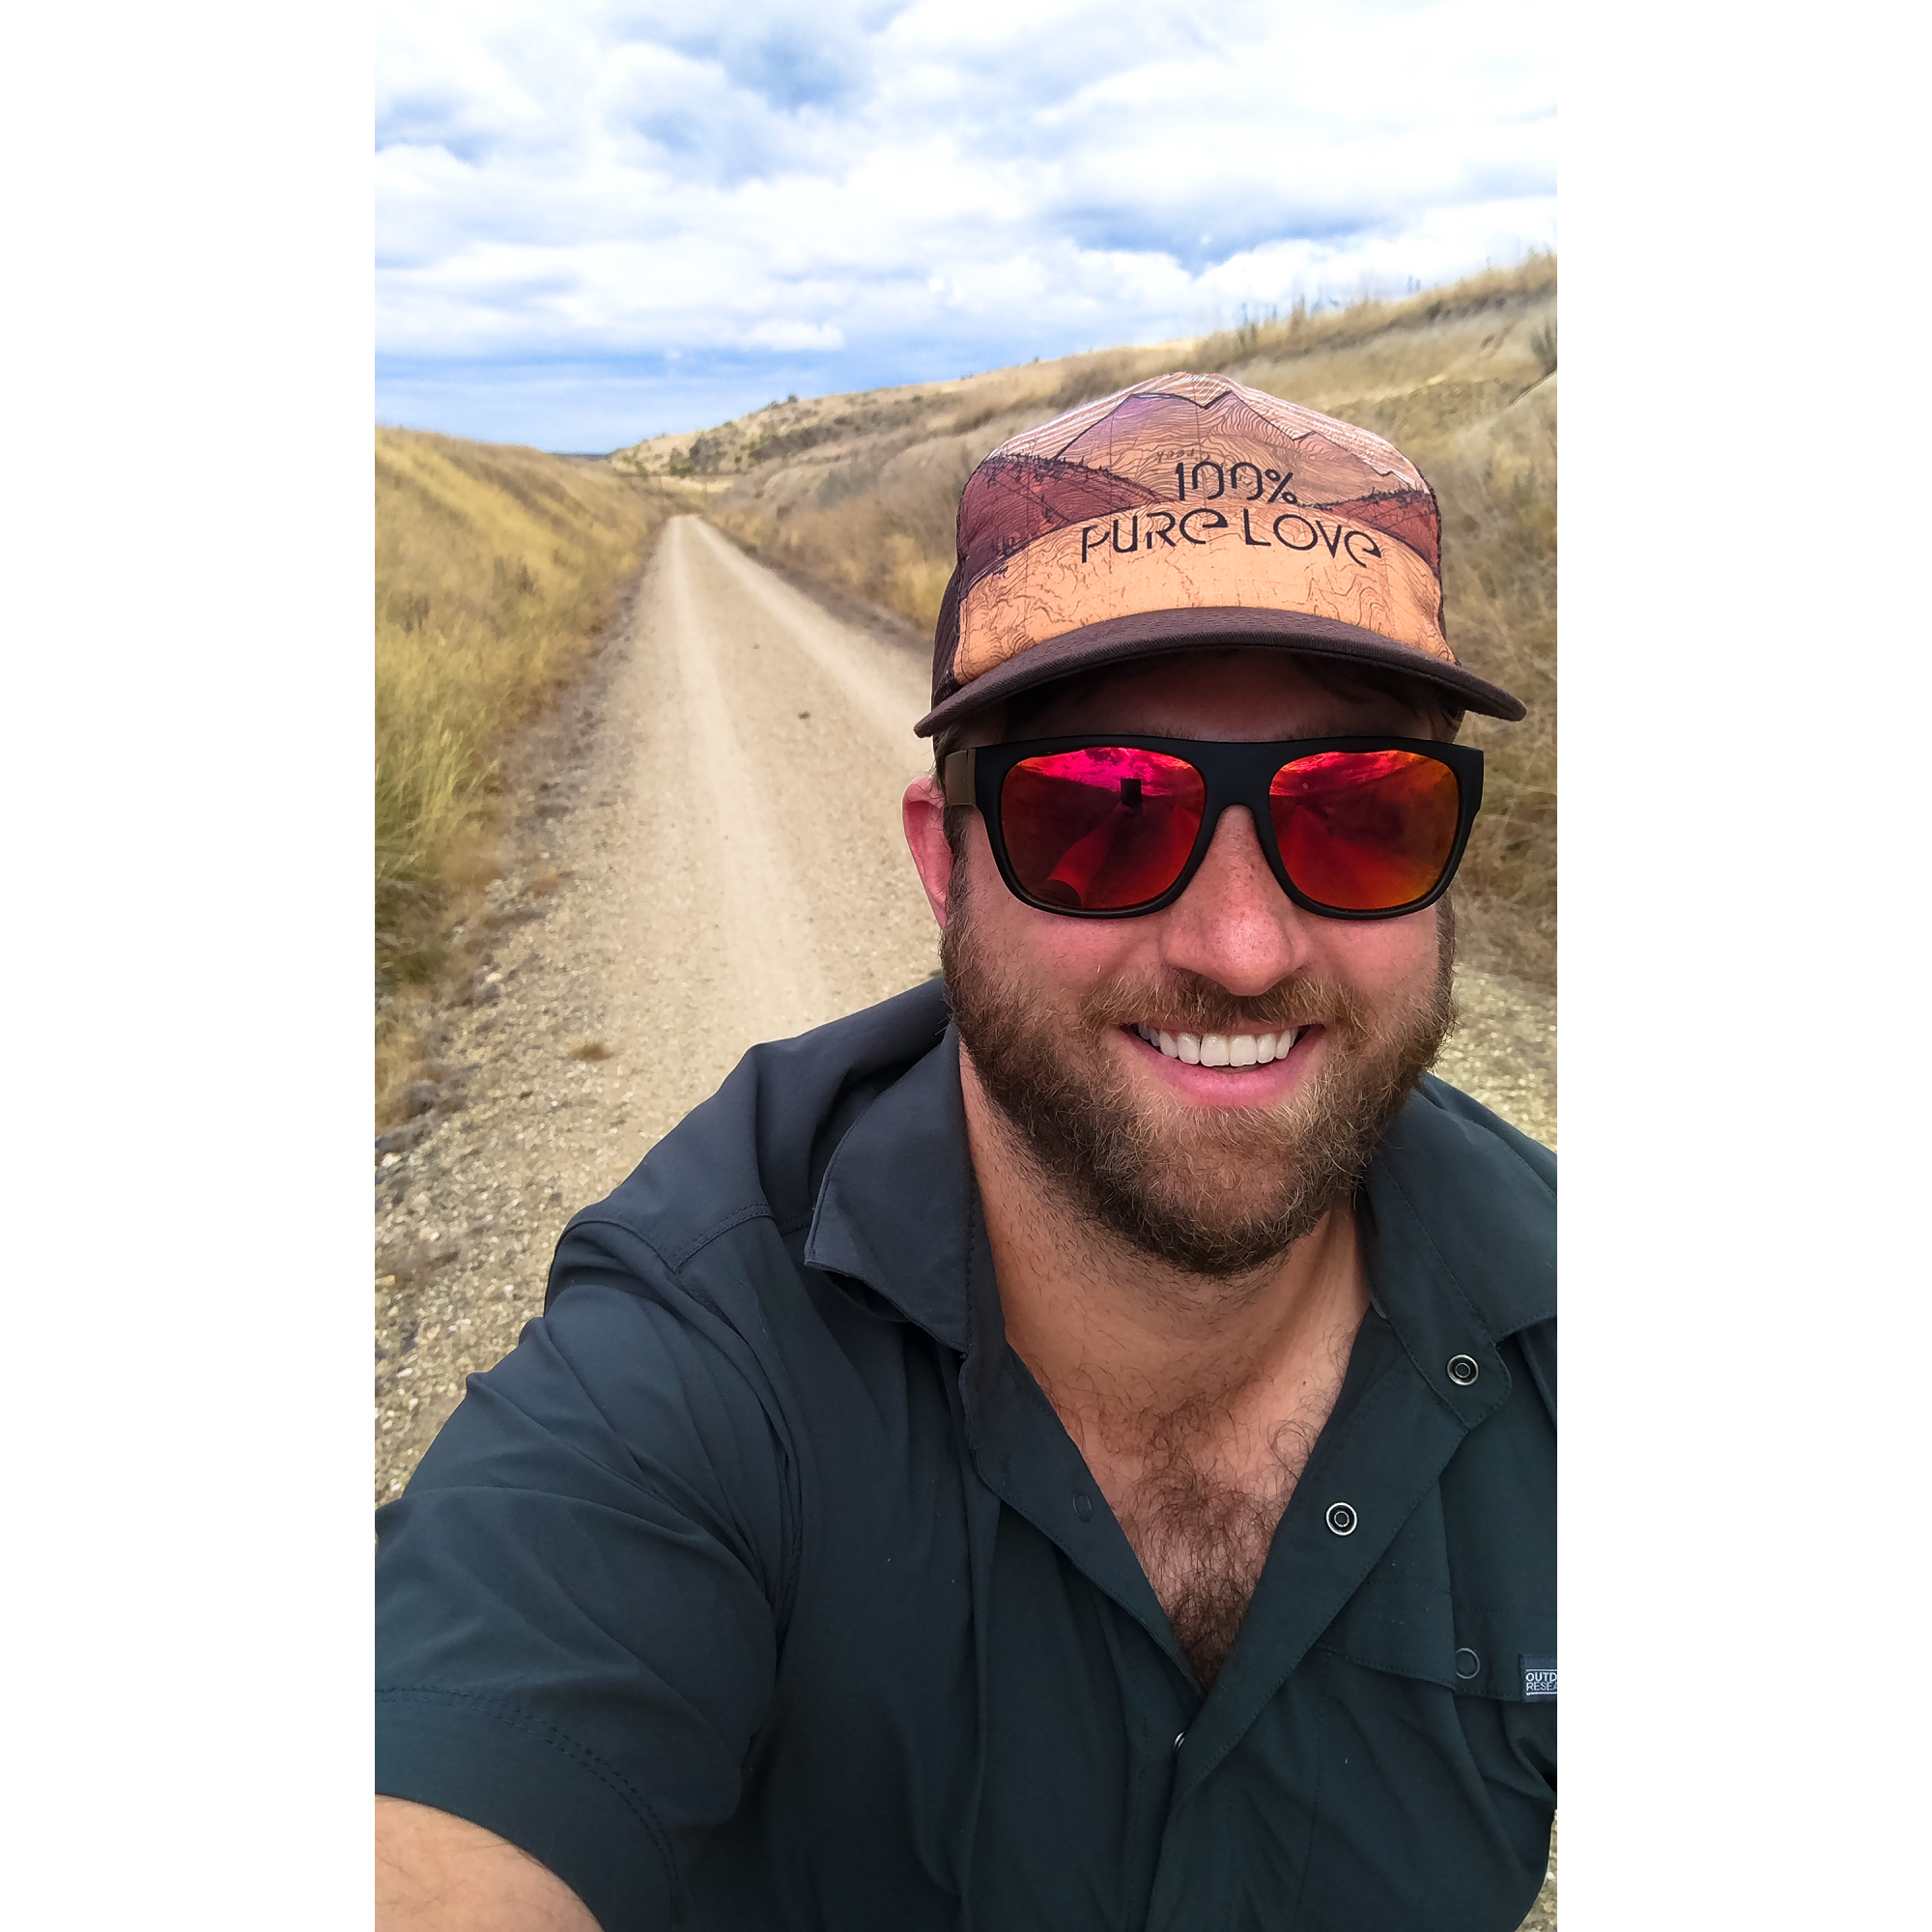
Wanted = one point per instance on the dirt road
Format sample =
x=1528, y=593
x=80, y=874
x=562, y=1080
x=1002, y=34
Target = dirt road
x=655, y=927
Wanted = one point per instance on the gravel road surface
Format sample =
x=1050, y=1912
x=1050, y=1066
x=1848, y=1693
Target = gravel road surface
x=654, y=928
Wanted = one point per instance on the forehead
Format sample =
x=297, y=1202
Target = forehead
x=1229, y=695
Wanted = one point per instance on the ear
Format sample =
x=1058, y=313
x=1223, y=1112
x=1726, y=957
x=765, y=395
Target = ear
x=924, y=813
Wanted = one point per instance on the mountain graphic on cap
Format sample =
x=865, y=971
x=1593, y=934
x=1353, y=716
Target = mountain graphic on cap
x=1192, y=510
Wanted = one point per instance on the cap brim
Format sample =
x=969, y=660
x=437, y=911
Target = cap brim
x=1155, y=632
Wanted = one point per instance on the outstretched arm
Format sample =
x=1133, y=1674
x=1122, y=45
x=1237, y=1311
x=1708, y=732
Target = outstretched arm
x=440, y=1873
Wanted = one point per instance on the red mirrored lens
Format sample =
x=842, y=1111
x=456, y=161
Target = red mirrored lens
x=1102, y=828
x=1365, y=830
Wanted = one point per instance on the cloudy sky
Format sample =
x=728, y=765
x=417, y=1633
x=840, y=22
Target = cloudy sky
x=600, y=222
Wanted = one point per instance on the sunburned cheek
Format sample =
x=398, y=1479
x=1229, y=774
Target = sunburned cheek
x=1383, y=961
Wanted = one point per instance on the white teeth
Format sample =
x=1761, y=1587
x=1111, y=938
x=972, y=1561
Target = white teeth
x=1221, y=1049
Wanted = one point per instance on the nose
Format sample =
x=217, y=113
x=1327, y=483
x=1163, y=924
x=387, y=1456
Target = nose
x=1234, y=924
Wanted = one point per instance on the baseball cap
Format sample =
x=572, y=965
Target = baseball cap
x=1192, y=510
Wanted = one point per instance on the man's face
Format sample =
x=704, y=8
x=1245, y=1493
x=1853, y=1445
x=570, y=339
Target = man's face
x=1214, y=1170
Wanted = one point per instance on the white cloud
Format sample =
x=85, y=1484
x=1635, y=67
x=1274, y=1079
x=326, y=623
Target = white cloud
x=793, y=335
x=838, y=195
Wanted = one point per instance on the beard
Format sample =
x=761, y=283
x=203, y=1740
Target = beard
x=1218, y=1192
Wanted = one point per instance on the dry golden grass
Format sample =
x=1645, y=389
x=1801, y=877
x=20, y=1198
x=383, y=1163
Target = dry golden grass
x=402, y=1042
x=1499, y=554
x=496, y=572
x=899, y=555
x=1299, y=335
x=861, y=491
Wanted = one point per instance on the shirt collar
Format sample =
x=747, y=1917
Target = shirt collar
x=896, y=1208
x=1460, y=1231
x=1460, y=1238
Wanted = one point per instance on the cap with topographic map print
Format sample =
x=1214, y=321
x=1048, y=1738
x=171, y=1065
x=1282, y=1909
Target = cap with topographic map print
x=1192, y=510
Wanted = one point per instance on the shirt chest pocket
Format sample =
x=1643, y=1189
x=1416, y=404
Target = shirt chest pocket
x=1437, y=1753
x=1451, y=1618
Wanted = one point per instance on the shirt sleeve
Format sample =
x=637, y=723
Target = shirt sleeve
x=1533, y=1154
x=576, y=1598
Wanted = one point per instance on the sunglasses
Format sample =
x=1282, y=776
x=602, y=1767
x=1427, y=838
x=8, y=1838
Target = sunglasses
x=1110, y=828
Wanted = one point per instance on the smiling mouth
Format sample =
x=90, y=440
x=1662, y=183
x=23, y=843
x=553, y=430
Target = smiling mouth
x=1222, y=1049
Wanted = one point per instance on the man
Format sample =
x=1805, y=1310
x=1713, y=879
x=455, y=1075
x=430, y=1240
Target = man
x=1089, y=1461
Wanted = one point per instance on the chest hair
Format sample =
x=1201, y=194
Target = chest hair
x=1201, y=1523
x=1199, y=1491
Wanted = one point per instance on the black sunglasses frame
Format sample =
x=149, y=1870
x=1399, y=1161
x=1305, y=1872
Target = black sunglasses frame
x=1233, y=772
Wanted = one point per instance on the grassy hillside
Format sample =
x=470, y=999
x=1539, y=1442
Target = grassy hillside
x=861, y=491
x=496, y=572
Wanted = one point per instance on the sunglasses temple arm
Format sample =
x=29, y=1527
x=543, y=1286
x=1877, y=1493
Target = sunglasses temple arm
x=958, y=782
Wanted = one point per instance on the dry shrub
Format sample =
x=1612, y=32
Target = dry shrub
x=472, y=856
x=402, y=1042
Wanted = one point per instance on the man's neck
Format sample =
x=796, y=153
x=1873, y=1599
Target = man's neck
x=1120, y=1342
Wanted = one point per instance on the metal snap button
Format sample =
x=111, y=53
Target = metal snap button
x=1083, y=1505
x=1341, y=1518
x=1463, y=1369
x=1179, y=1739
x=1467, y=1664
